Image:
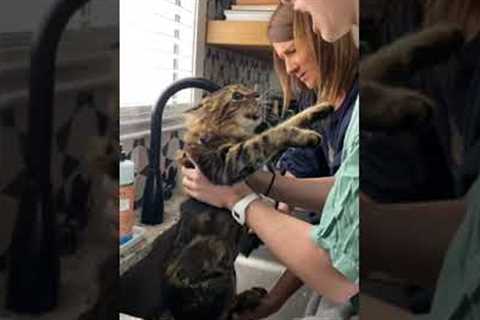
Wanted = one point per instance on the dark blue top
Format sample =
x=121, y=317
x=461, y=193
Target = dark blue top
x=325, y=159
x=334, y=131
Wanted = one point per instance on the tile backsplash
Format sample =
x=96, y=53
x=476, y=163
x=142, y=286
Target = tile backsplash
x=83, y=113
x=225, y=66
x=138, y=149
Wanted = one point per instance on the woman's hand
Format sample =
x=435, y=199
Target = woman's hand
x=199, y=187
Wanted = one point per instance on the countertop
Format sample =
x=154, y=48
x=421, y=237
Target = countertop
x=171, y=217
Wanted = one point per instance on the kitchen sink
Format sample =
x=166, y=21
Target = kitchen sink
x=262, y=269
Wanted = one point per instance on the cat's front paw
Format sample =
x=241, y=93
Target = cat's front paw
x=307, y=138
x=248, y=300
x=310, y=115
x=415, y=111
x=390, y=108
x=319, y=112
x=316, y=113
x=313, y=139
x=435, y=45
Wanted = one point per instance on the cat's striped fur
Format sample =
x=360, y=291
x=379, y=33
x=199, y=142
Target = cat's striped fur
x=387, y=103
x=221, y=139
x=221, y=136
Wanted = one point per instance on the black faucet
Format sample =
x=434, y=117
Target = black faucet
x=152, y=211
x=34, y=264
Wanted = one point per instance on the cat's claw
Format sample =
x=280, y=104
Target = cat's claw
x=305, y=138
x=313, y=139
x=417, y=112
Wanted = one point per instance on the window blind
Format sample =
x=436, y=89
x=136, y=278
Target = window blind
x=157, y=47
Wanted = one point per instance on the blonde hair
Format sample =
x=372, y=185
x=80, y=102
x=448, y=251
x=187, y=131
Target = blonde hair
x=337, y=63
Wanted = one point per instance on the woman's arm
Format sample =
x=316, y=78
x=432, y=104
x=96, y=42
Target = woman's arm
x=283, y=289
x=408, y=240
x=308, y=193
x=289, y=239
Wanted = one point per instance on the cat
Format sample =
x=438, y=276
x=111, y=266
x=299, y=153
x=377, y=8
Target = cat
x=223, y=141
x=221, y=135
x=387, y=103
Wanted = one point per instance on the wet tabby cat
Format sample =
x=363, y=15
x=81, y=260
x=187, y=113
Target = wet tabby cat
x=221, y=138
x=387, y=103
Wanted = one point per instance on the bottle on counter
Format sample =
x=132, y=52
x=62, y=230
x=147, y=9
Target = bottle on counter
x=126, y=199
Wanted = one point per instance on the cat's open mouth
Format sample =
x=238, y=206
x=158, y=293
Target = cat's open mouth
x=261, y=127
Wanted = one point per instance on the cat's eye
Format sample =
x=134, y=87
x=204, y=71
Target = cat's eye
x=237, y=96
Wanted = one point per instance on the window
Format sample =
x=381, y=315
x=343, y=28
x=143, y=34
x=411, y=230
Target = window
x=157, y=46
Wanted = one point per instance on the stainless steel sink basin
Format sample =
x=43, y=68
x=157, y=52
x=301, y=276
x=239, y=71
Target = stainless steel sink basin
x=262, y=269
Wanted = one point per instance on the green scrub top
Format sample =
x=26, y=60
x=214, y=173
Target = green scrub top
x=338, y=230
x=457, y=296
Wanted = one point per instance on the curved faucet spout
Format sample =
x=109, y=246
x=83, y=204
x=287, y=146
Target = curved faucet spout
x=34, y=264
x=152, y=211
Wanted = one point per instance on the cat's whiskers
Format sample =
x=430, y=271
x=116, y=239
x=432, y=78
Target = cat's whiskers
x=263, y=103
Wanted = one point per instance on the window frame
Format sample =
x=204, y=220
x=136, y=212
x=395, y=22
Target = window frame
x=135, y=121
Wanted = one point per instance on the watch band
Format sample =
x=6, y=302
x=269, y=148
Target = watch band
x=238, y=210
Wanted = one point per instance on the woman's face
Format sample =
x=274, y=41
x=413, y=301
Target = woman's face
x=299, y=61
x=332, y=19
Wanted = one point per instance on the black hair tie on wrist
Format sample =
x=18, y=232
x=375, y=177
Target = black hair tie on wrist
x=282, y=173
x=267, y=192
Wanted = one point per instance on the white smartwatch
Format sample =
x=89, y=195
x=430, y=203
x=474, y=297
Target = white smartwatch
x=239, y=209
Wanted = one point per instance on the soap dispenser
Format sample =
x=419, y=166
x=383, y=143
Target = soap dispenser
x=127, y=198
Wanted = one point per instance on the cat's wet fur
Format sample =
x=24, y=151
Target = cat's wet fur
x=221, y=139
x=387, y=103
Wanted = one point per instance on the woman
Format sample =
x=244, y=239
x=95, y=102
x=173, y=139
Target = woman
x=297, y=66
x=329, y=70
x=318, y=255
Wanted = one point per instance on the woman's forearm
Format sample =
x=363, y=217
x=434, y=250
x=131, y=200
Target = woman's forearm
x=408, y=240
x=284, y=235
x=308, y=193
x=285, y=287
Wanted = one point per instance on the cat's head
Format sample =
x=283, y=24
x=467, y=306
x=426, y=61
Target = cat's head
x=234, y=110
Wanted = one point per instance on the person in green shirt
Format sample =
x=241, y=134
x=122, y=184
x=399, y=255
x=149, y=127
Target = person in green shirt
x=457, y=293
x=323, y=257
x=331, y=271
x=436, y=244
